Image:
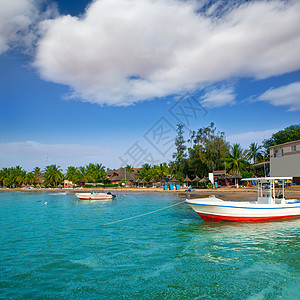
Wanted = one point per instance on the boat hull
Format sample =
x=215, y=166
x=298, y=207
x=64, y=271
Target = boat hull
x=211, y=217
x=218, y=210
x=89, y=196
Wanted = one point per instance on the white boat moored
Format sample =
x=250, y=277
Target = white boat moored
x=94, y=196
x=270, y=205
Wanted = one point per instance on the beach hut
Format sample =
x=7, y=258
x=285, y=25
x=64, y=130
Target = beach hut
x=236, y=177
x=187, y=181
x=137, y=182
x=143, y=181
x=196, y=179
x=153, y=181
x=204, y=179
x=116, y=176
x=174, y=182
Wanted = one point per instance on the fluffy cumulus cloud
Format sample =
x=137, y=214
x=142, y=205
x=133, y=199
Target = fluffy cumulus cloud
x=15, y=16
x=18, y=21
x=124, y=51
x=288, y=95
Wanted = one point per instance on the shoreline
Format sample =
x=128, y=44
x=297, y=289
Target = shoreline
x=225, y=192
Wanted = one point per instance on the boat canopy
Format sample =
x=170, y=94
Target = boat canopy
x=267, y=179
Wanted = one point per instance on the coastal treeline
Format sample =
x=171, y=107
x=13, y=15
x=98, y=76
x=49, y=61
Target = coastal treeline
x=205, y=150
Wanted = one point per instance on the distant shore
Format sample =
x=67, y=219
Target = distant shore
x=224, y=192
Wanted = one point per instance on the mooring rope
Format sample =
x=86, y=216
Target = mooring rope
x=148, y=213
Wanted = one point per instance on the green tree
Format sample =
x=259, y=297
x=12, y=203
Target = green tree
x=145, y=172
x=164, y=170
x=73, y=174
x=53, y=175
x=180, y=155
x=289, y=134
x=12, y=177
x=208, y=150
x=95, y=173
x=30, y=178
x=254, y=153
x=129, y=169
x=236, y=160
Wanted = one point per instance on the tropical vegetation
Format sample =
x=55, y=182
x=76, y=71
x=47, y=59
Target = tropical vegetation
x=205, y=150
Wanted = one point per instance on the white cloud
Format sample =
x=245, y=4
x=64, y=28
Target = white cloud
x=288, y=95
x=246, y=138
x=18, y=19
x=124, y=51
x=30, y=154
x=218, y=98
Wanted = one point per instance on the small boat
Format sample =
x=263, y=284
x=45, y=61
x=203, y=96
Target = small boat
x=95, y=196
x=270, y=204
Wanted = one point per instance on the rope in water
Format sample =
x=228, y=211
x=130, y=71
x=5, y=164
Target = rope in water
x=148, y=213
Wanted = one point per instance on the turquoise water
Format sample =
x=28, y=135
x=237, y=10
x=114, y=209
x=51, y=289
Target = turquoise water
x=60, y=250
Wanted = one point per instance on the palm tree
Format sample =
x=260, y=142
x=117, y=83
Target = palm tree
x=254, y=153
x=73, y=174
x=37, y=171
x=236, y=161
x=53, y=175
x=95, y=173
x=30, y=178
x=82, y=177
x=164, y=170
x=129, y=169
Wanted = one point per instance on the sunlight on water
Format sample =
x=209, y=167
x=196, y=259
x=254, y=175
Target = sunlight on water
x=61, y=250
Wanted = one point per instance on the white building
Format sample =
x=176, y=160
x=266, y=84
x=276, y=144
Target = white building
x=285, y=160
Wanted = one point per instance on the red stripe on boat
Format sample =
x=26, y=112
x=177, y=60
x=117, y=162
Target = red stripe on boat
x=210, y=217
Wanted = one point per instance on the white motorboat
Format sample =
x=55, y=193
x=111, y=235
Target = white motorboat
x=94, y=196
x=270, y=204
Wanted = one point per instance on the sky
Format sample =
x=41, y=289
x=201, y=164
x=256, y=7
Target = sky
x=107, y=81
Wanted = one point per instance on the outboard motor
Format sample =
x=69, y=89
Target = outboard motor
x=109, y=193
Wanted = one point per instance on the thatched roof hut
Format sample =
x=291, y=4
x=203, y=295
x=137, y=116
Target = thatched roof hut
x=236, y=176
x=173, y=180
x=204, y=179
x=196, y=179
x=187, y=179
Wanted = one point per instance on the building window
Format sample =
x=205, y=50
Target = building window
x=293, y=148
x=278, y=153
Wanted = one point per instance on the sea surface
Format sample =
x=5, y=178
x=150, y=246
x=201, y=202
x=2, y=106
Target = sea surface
x=53, y=246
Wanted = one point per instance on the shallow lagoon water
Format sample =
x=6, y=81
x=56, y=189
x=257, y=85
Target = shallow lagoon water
x=61, y=250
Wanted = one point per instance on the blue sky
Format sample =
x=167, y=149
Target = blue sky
x=103, y=82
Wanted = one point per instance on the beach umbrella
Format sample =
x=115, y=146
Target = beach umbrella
x=137, y=181
x=143, y=182
x=204, y=179
x=196, y=179
x=236, y=177
x=153, y=181
x=187, y=179
x=173, y=180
